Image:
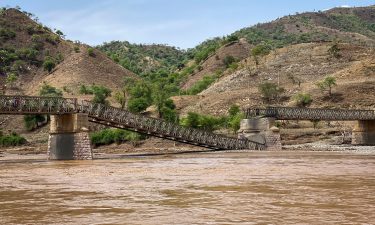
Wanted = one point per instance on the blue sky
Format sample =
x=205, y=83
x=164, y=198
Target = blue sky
x=182, y=23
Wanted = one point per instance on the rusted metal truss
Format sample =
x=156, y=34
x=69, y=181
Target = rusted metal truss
x=37, y=105
x=116, y=117
x=294, y=113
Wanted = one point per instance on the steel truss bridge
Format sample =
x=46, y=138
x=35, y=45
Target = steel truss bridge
x=293, y=113
x=119, y=118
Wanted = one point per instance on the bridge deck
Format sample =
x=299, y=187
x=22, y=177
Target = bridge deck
x=116, y=117
x=292, y=113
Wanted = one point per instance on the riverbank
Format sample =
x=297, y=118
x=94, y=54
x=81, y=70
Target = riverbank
x=176, y=148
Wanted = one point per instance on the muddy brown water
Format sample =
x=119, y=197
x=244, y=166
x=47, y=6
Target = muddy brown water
x=210, y=188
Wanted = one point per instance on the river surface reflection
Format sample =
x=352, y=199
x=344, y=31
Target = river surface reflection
x=217, y=188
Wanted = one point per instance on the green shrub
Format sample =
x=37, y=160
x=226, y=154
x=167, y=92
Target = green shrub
x=90, y=51
x=12, y=140
x=109, y=136
x=138, y=104
x=6, y=34
x=260, y=50
x=29, y=54
x=234, y=110
x=52, y=39
x=100, y=93
x=201, y=85
x=327, y=84
x=19, y=66
x=50, y=91
x=303, y=99
x=235, y=121
x=84, y=90
x=270, y=91
x=334, y=51
x=32, y=122
x=11, y=79
x=49, y=63
x=228, y=60
x=205, y=122
x=36, y=38
x=76, y=49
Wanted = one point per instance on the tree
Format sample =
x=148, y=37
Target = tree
x=137, y=104
x=334, y=51
x=101, y=93
x=303, y=99
x=140, y=96
x=49, y=63
x=270, y=91
x=327, y=84
x=121, y=97
x=192, y=120
x=11, y=79
x=235, y=117
x=60, y=33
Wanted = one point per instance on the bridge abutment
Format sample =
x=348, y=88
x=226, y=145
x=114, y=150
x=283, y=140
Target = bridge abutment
x=69, y=137
x=261, y=130
x=364, y=133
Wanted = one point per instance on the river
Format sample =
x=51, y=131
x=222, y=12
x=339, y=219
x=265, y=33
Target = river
x=206, y=188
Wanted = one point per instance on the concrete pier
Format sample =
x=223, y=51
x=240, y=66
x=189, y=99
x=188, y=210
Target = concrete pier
x=364, y=133
x=261, y=130
x=69, y=137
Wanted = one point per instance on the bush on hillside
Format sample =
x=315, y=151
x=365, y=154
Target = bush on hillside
x=6, y=34
x=228, y=60
x=84, y=90
x=201, y=85
x=32, y=122
x=50, y=91
x=109, y=136
x=270, y=91
x=204, y=122
x=11, y=140
x=90, y=51
x=49, y=63
x=303, y=99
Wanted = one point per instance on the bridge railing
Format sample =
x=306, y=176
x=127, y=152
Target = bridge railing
x=157, y=127
x=294, y=113
x=37, y=105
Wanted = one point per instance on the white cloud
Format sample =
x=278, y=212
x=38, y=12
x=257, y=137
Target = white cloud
x=345, y=6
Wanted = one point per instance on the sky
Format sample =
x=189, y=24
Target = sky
x=181, y=23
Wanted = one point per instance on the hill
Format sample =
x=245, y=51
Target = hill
x=350, y=25
x=32, y=54
x=297, y=72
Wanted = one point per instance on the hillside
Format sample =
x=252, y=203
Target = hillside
x=350, y=25
x=144, y=59
x=26, y=46
x=354, y=72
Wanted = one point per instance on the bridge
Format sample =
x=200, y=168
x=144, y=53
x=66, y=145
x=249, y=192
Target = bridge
x=261, y=121
x=69, y=125
x=294, y=113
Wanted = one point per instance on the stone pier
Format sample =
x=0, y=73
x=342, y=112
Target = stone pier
x=261, y=130
x=364, y=133
x=69, y=137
